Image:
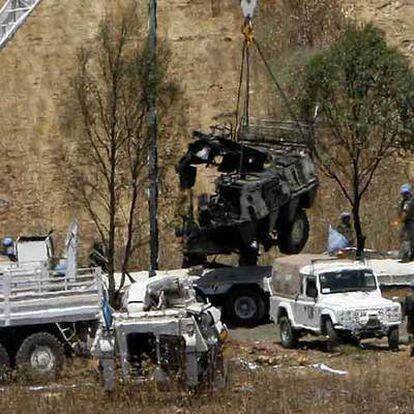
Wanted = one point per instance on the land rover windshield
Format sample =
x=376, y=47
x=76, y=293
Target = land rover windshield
x=349, y=280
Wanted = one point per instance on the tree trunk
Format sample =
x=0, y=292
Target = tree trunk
x=112, y=213
x=215, y=8
x=360, y=238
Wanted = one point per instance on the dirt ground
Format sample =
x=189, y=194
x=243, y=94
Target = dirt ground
x=262, y=378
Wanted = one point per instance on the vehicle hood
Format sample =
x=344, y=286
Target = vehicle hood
x=355, y=300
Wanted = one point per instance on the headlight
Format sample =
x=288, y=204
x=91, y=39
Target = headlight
x=393, y=313
x=346, y=316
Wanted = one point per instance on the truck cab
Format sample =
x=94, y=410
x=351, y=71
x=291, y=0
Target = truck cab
x=34, y=250
x=338, y=299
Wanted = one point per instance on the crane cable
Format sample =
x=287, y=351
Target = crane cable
x=239, y=88
x=249, y=38
x=247, y=31
x=280, y=90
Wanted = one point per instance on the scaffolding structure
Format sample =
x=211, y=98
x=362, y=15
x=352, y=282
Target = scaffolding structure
x=12, y=16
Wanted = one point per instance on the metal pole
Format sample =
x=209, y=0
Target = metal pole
x=152, y=134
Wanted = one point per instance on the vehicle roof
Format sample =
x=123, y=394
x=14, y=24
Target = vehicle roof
x=32, y=238
x=333, y=266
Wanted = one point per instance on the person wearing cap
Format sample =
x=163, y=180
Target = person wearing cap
x=409, y=313
x=406, y=217
x=8, y=248
x=345, y=227
x=97, y=257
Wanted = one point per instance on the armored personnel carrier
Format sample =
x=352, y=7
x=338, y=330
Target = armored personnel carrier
x=266, y=184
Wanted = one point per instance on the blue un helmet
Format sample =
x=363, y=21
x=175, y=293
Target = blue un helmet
x=7, y=242
x=405, y=189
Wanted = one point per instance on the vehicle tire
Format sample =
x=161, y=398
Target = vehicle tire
x=394, y=338
x=244, y=307
x=292, y=237
x=4, y=363
x=333, y=337
x=41, y=356
x=288, y=337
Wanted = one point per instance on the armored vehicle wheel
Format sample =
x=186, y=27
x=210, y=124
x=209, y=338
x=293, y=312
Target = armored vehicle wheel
x=244, y=307
x=4, y=363
x=292, y=237
x=394, y=338
x=288, y=337
x=41, y=356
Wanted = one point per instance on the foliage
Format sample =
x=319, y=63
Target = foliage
x=108, y=170
x=290, y=32
x=364, y=92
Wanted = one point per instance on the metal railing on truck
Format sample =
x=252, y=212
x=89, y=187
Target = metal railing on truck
x=13, y=14
x=38, y=296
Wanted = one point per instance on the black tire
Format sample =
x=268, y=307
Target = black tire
x=394, y=338
x=289, y=338
x=292, y=237
x=4, y=363
x=40, y=356
x=333, y=337
x=192, y=260
x=244, y=307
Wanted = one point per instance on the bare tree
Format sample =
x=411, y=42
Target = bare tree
x=364, y=91
x=109, y=163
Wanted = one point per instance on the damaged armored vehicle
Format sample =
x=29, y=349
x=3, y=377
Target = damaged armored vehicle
x=163, y=325
x=266, y=184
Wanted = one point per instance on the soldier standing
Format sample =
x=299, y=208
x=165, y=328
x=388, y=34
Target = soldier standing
x=345, y=227
x=406, y=216
x=97, y=257
x=409, y=313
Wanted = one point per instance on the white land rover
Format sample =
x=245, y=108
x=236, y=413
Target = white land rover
x=338, y=299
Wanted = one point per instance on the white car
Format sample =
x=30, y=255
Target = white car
x=338, y=299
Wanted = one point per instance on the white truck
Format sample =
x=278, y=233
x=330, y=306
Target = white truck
x=339, y=299
x=241, y=292
x=43, y=307
x=162, y=321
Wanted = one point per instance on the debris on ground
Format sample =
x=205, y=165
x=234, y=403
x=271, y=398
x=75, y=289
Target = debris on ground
x=323, y=367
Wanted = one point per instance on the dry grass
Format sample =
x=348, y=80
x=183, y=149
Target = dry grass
x=378, y=382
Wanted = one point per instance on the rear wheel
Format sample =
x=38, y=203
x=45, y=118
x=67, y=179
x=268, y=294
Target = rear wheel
x=288, y=336
x=394, y=338
x=4, y=363
x=244, y=307
x=292, y=237
x=41, y=356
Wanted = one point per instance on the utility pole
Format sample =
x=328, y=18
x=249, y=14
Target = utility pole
x=152, y=134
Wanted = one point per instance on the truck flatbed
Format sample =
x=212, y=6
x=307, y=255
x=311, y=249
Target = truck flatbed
x=40, y=296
